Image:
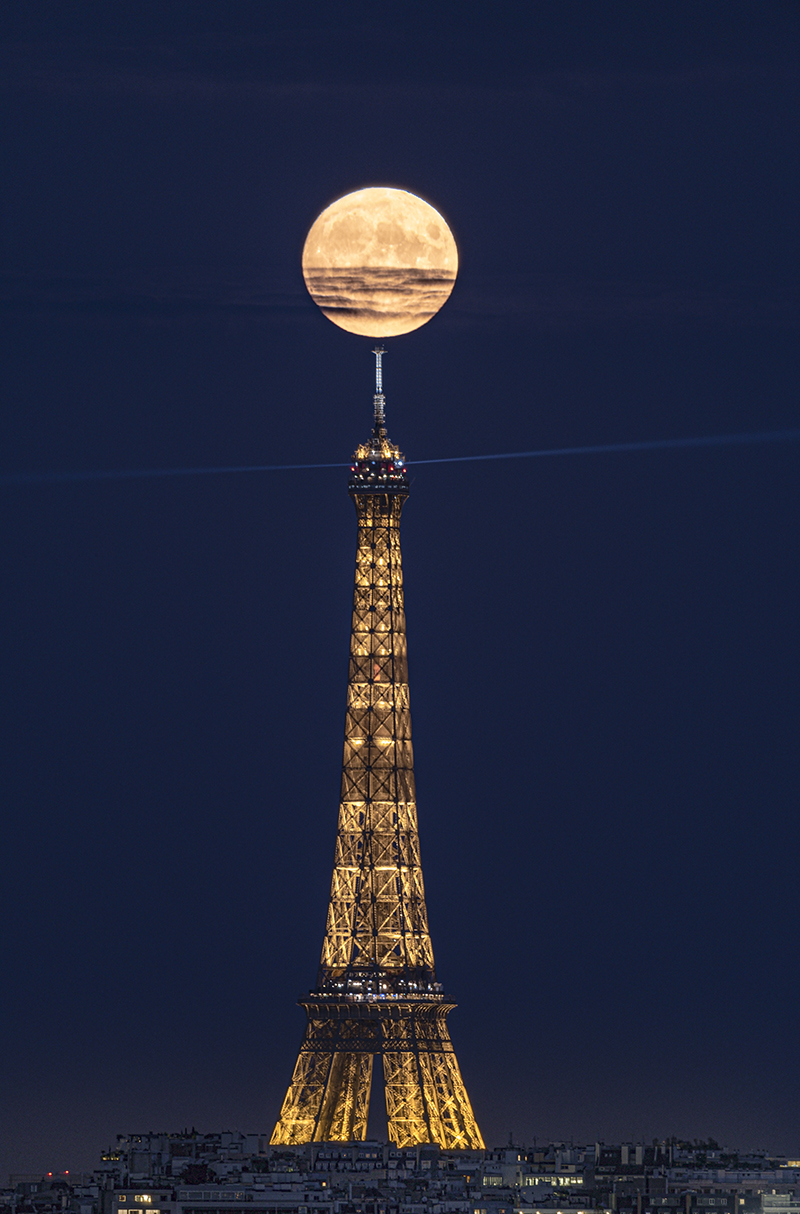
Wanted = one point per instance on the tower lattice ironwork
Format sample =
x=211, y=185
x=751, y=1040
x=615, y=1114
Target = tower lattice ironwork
x=376, y=990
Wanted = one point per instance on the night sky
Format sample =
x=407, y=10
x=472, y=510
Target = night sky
x=603, y=648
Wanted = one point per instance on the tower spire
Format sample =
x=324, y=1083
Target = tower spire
x=379, y=400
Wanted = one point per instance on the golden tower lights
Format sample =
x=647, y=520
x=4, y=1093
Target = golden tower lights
x=376, y=989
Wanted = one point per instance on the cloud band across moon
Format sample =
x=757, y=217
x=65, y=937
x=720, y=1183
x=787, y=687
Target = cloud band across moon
x=657, y=444
x=381, y=301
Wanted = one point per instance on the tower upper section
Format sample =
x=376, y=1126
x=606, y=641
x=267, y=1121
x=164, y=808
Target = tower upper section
x=377, y=943
x=378, y=466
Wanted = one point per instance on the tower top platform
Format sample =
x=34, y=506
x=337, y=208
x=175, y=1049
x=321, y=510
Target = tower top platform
x=378, y=465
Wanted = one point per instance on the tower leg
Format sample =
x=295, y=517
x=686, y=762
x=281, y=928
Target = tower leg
x=444, y=1090
x=300, y=1110
x=328, y=1097
x=345, y=1105
x=405, y=1103
x=426, y=1100
x=327, y=1100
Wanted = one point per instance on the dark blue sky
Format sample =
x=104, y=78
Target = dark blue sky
x=603, y=649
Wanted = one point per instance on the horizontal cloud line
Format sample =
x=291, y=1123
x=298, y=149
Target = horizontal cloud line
x=657, y=444
x=539, y=300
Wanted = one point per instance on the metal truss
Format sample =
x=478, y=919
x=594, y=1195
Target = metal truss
x=376, y=917
x=377, y=991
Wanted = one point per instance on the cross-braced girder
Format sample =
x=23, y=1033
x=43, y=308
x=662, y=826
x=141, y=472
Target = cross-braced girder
x=377, y=991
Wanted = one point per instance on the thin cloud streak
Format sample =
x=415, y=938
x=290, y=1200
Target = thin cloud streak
x=657, y=444
x=511, y=299
x=276, y=69
x=43, y=478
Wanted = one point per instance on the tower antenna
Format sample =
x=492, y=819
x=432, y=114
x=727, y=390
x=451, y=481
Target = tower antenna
x=379, y=399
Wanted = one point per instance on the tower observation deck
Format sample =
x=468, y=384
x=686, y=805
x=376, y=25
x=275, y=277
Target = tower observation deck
x=376, y=991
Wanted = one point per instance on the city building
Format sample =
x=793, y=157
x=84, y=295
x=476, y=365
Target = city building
x=187, y=1172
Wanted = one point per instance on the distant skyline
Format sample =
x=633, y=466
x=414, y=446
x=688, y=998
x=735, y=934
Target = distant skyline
x=603, y=651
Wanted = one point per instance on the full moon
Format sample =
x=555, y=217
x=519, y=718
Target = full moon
x=380, y=262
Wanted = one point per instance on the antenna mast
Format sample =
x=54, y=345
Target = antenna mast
x=379, y=399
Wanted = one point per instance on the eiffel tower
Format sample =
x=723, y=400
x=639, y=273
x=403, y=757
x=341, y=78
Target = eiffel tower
x=376, y=989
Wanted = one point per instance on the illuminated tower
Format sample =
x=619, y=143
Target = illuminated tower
x=376, y=990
